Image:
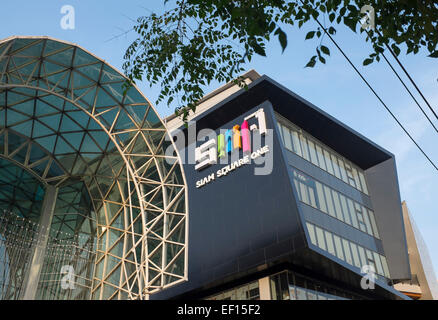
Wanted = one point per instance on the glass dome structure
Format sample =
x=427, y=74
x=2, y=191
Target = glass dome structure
x=67, y=126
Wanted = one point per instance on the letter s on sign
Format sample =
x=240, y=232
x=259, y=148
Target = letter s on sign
x=206, y=154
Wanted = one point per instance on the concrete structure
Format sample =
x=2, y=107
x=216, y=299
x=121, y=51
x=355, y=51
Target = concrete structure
x=423, y=283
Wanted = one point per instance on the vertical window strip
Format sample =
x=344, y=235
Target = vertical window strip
x=312, y=151
x=367, y=221
x=330, y=206
x=347, y=251
x=328, y=162
x=329, y=241
x=356, y=259
x=321, y=197
x=320, y=238
x=304, y=147
x=356, y=178
x=363, y=182
x=353, y=214
x=336, y=165
x=345, y=209
x=373, y=224
x=335, y=204
x=312, y=235
x=296, y=143
x=280, y=130
x=321, y=159
x=343, y=171
x=287, y=139
x=338, y=245
x=304, y=194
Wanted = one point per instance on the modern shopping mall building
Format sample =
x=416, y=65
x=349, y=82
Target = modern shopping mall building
x=262, y=196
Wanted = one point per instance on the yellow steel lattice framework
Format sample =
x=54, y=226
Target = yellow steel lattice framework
x=64, y=117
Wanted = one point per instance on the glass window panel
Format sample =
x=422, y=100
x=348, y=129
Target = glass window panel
x=338, y=245
x=350, y=174
x=321, y=160
x=362, y=226
x=312, y=151
x=337, y=206
x=330, y=244
x=362, y=256
x=347, y=252
x=301, y=294
x=320, y=238
x=362, y=182
x=336, y=166
x=328, y=162
x=296, y=143
x=342, y=169
x=312, y=235
x=355, y=253
x=373, y=224
x=321, y=198
x=378, y=263
x=356, y=178
x=330, y=206
x=280, y=130
x=304, y=147
x=385, y=267
x=353, y=214
x=304, y=195
x=312, y=197
x=345, y=209
x=311, y=295
x=367, y=220
x=287, y=139
x=297, y=187
x=370, y=259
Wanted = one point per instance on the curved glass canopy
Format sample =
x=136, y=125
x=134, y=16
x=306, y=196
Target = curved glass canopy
x=65, y=120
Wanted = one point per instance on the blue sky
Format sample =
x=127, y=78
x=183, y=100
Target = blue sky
x=333, y=87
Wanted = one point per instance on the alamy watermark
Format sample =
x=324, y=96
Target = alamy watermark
x=368, y=20
x=68, y=19
x=368, y=280
x=68, y=280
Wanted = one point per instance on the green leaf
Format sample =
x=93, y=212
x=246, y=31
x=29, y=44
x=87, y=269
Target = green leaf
x=367, y=61
x=325, y=50
x=332, y=16
x=258, y=49
x=311, y=63
x=434, y=54
x=350, y=23
x=310, y=35
x=282, y=38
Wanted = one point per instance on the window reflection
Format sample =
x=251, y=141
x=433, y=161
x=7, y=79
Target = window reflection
x=344, y=249
x=314, y=151
x=337, y=205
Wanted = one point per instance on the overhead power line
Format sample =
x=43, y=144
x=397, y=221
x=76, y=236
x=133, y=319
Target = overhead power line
x=377, y=96
x=409, y=91
x=409, y=77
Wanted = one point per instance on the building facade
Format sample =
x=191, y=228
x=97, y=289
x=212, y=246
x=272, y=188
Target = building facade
x=262, y=196
x=314, y=208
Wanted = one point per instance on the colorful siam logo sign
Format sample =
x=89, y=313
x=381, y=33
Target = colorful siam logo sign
x=235, y=139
